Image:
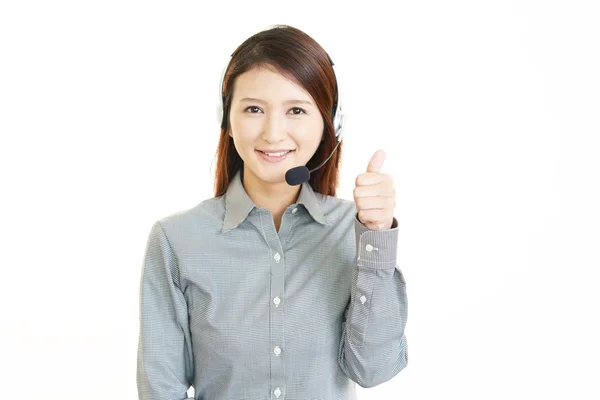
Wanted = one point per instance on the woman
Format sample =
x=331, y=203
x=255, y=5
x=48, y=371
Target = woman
x=272, y=290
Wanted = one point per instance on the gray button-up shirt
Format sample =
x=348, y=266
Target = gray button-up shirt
x=242, y=311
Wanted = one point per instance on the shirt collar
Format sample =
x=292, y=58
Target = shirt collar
x=238, y=204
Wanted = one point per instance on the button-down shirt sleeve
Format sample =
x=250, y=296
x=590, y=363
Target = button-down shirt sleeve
x=165, y=361
x=373, y=348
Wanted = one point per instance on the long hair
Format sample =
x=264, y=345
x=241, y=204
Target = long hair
x=298, y=57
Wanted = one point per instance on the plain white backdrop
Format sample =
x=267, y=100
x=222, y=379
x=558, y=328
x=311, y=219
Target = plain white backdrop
x=488, y=111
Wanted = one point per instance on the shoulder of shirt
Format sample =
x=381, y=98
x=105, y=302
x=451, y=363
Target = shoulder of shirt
x=209, y=213
x=206, y=215
x=335, y=208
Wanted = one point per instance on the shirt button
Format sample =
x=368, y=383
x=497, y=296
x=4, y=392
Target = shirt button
x=277, y=350
x=277, y=300
x=277, y=257
x=294, y=211
x=277, y=392
x=363, y=299
x=369, y=247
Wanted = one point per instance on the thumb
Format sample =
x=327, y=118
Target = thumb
x=376, y=161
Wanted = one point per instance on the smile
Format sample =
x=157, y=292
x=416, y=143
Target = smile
x=275, y=156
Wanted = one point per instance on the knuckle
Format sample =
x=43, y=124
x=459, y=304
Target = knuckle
x=367, y=216
x=359, y=204
x=359, y=180
x=361, y=216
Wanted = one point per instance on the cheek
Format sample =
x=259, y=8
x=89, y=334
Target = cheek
x=312, y=136
x=245, y=134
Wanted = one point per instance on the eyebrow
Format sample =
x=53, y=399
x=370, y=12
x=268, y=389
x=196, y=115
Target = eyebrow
x=252, y=99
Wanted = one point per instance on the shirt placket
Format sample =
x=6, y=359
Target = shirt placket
x=277, y=303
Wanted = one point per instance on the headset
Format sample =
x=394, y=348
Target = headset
x=338, y=116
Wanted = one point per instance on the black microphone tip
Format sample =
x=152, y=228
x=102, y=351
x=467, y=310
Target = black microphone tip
x=297, y=176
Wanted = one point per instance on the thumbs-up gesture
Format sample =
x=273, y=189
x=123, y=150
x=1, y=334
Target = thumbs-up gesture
x=375, y=195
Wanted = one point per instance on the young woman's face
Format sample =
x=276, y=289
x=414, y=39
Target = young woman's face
x=271, y=114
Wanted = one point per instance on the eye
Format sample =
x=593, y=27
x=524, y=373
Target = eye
x=252, y=108
x=301, y=111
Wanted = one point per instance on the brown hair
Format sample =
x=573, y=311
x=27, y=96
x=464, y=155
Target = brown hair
x=300, y=58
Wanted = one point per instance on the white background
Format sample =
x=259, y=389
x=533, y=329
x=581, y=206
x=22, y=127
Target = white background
x=488, y=110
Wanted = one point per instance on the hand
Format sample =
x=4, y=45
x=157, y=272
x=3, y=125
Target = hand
x=375, y=195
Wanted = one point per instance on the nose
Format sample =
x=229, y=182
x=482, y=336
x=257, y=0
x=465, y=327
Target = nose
x=274, y=129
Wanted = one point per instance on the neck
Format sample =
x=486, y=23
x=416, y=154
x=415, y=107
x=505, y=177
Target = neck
x=275, y=197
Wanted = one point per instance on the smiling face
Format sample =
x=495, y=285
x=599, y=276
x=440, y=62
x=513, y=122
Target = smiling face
x=275, y=125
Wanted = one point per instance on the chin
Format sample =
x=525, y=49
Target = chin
x=275, y=175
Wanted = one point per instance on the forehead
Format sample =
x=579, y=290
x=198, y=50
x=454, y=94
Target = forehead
x=267, y=82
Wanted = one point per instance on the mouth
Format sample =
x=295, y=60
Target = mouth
x=274, y=156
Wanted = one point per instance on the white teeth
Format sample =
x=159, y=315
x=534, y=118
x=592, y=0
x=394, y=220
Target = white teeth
x=277, y=154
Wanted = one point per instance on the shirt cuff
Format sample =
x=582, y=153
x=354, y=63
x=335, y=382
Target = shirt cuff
x=376, y=248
